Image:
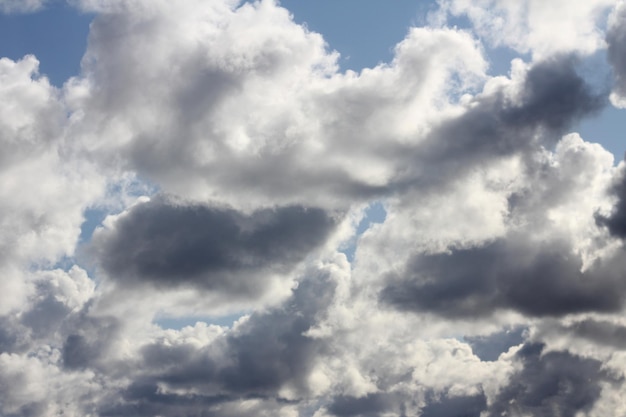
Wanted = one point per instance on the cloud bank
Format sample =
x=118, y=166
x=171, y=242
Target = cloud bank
x=213, y=164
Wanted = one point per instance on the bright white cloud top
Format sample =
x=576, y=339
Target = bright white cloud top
x=233, y=162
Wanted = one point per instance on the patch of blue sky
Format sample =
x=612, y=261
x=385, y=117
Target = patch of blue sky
x=178, y=323
x=374, y=213
x=363, y=32
x=56, y=35
x=607, y=126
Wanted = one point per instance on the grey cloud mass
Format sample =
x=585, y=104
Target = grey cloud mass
x=172, y=244
x=534, y=278
x=462, y=406
x=551, y=383
x=616, y=220
x=505, y=122
x=228, y=165
x=260, y=359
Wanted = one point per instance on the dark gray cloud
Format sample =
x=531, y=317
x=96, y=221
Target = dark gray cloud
x=384, y=403
x=168, y=245
x=536, y=279
x=616, y=221
x=266, y=354
x=551, y=383
x=88, y=339
x=44, y=321
x=455, y=406
x=601, y=332
x=370, y=405
x=616, y=41
x=552, y=97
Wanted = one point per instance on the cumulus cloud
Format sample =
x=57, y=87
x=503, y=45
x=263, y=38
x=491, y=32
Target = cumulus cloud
x=552, y=382
x=615, y=221
x=43, y=193
x=508, y=273
x=269, y=115
x=171, y=244
x=532, y=26
x=233, y=163
x=513, y=118
x=267, y=357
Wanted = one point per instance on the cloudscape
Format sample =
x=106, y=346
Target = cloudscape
x=220, y=213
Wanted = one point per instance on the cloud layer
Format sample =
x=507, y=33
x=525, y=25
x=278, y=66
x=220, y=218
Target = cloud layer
x=213, y=165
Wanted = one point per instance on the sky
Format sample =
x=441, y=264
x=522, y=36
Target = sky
x=312, y=209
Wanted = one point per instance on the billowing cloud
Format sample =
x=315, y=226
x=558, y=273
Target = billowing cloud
x=513, y=118
x=551, y=383
x=43, y=193
x=531, y=26
x=508, y=273
x=171, y=244
x=212, y=165
x=267, y=356
x=615, y=221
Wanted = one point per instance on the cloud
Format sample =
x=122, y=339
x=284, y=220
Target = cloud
x=551, y=383
x=616, y=40
x=535, y=108
x=171, y=244
x=43, y=192
x=601, y=332
x=382, y=403
x=266, y=357
x=470, y=406
x=538, y=247
x=269, y=116
x=615, y=222
x=232, y=160
x=370, y=405
x=530, y=26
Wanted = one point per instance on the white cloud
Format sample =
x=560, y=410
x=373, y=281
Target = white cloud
x=253, y=101
x=232, y=158
x=535, y=26
x=42, y=193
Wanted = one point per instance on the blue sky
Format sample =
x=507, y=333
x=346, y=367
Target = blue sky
x=56, y=35
x=210, y=217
